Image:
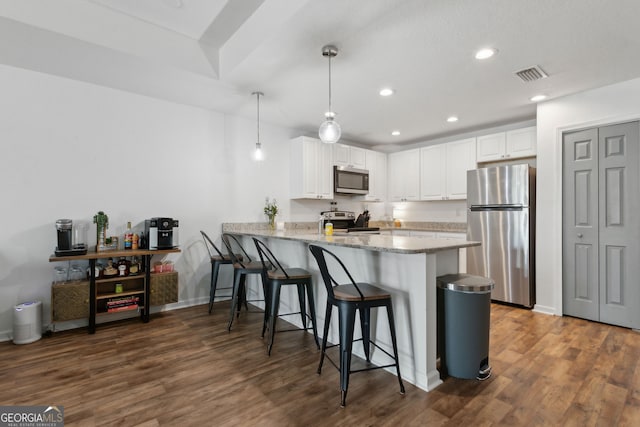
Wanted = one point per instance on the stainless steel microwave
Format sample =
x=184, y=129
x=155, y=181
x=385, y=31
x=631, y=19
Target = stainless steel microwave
x=348, y=180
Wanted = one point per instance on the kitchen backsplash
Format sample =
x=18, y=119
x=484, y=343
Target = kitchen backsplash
x=440, y=211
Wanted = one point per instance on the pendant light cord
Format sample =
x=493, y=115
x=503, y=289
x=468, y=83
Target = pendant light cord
x=330, y=110
x=258, y=122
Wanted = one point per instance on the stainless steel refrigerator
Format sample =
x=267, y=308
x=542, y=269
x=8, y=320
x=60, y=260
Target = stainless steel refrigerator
x=501, y=214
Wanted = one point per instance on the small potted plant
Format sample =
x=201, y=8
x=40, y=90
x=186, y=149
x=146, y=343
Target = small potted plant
x=271, y=210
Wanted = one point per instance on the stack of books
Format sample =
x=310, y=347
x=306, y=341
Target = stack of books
x=123, y=303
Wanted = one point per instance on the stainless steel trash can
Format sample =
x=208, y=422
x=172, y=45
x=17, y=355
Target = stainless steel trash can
x=464, y=317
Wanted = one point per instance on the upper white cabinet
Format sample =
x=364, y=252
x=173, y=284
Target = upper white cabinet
x=521, y=142
x=443, y=169
x=512, y=144
x=311, y=169
x=404, y=175
x=345, y=155
x=433, y=173
x=376, y=164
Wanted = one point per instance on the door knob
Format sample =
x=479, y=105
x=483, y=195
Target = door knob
x=580, y=235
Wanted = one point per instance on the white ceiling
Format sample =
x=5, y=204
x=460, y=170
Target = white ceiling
x=214, y=53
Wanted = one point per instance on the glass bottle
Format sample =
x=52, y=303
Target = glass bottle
x=143, y=241
x=123, y=267
x=134, y=268
x=128, y=236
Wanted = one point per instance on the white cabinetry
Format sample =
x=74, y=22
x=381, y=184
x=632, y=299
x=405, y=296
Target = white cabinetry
x=404, y=175
x=344, y=155
x=311, y=169
x=376, y=164
x=512, y=144
x=432, y=172
x=443, y=170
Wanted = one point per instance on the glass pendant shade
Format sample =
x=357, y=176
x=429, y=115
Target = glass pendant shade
x=329, y=131
x=257, y=155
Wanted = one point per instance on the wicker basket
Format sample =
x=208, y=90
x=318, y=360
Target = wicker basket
x=69, y=301
x=164, y=288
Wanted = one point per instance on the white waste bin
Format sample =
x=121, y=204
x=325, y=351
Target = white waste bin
x=27, y=322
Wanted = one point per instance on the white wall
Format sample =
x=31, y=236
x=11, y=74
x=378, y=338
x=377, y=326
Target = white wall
x=70, y=149
x=610, y=104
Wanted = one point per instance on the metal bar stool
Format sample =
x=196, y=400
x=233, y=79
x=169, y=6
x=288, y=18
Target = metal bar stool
x=241, y=268
x=275, y=276
x=217, y=259
x=348, y=298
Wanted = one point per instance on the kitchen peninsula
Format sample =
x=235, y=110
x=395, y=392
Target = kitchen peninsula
x=405, y=266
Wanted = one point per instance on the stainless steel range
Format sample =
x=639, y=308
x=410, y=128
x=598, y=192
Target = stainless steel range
x=345, y=222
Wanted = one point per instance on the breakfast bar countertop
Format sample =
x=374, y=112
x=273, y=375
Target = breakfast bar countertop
x=406, y=266
x=373, y=242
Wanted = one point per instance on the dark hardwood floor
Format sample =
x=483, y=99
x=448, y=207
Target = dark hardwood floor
x=184, y=368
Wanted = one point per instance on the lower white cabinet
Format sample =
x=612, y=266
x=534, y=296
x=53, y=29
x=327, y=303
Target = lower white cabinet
x=311, y=169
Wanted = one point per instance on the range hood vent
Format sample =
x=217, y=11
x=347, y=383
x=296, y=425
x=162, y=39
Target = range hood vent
x=531, y=74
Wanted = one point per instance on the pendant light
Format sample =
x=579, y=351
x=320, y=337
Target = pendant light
x=329, y=131
x=257, y=155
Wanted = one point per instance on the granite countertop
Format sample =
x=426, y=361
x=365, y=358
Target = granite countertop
x=436, y=226
x=373, y=242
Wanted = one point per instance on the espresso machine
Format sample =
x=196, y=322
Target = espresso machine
x=71, y=238
x=162, y=233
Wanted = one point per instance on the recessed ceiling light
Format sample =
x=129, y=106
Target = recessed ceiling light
x=395, y=133
x=452, y=119
x=386, y=91
x=538, y=98
x=485, y=53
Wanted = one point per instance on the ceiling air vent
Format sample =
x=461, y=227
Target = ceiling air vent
x=531, y=74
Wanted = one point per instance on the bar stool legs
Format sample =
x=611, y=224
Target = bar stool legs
x=346, y=317
x=215, y=268
x=305, y=292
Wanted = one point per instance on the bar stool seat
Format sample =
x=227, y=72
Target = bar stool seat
x=348, y=298
x=275, y=276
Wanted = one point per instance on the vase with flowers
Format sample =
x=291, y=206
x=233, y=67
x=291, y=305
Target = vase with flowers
x=271, y=210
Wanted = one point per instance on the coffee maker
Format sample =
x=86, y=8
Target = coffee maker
x=71, y=240
x=162, y=233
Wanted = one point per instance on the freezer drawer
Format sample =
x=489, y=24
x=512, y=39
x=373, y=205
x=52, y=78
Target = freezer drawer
x=505, y=254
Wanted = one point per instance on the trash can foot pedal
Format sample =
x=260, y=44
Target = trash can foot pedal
x=484, y=374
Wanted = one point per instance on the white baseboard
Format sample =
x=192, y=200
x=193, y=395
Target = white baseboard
x=544, y=309
x=83, y=323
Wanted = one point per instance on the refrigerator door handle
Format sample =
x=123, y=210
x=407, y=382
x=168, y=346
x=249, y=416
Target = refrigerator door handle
x=480, y=208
